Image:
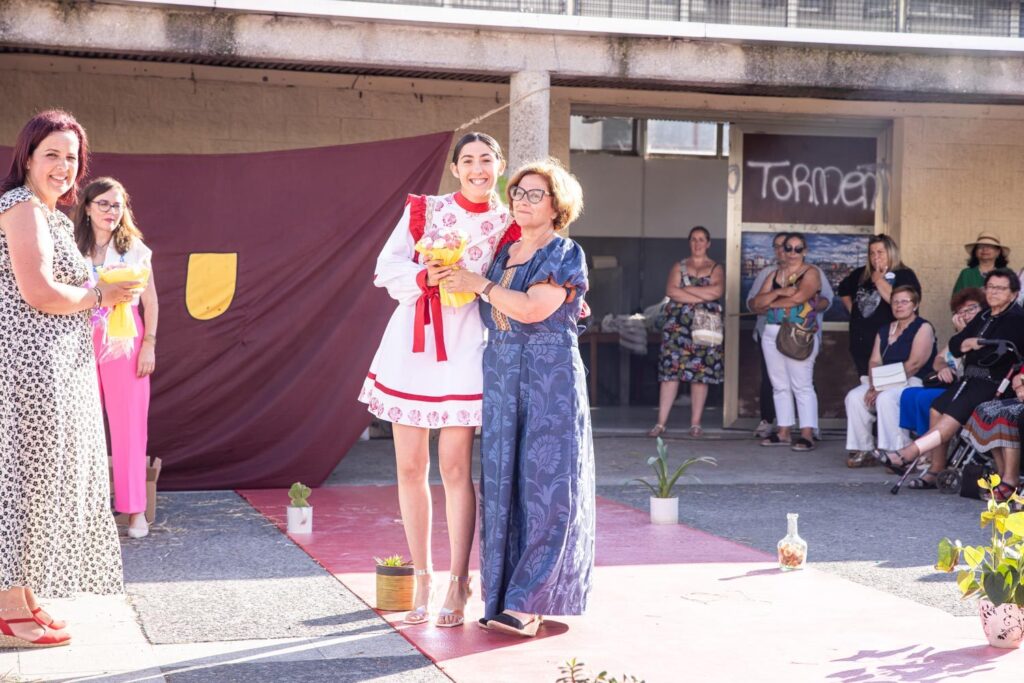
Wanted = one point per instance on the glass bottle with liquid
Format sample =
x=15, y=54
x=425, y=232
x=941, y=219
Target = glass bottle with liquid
x=792, y=548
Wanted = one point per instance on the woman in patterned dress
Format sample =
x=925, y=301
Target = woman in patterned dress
x=422, y=379
x=57, y=536
x=695, y=283
x=536, y=452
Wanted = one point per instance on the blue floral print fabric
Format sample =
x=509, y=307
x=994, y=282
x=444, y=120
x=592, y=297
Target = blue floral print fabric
x=537, y=500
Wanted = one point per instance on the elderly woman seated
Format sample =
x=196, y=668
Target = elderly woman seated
x=984, y=368
x=916, y=402
x=909, y=341
x=994, y=428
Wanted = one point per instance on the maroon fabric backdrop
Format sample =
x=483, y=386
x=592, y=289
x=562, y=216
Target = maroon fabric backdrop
x=265, y=394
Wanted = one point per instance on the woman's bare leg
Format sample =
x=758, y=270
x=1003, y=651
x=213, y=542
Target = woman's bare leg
x=698, y=397
x=666, y=397
x=412, y=456
x=455, y=452
x=1009, y=470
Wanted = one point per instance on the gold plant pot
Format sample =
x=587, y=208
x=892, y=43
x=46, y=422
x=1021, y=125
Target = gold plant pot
x=395, y=587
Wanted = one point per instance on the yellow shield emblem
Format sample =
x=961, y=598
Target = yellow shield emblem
x=210, y=284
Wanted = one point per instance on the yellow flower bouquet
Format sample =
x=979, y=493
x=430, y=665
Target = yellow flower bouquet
x=119, y=337
x=447, y=247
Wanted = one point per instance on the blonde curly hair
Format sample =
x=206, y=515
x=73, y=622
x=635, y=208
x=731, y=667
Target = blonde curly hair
x=566, y=193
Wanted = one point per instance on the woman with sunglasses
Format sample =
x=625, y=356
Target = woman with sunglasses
x=791, y=296
x=694, y=284
x=106, y=235
x=537, y=513
x=866, y=293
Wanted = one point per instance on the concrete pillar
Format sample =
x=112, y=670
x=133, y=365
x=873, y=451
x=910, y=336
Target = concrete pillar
x=529, y=117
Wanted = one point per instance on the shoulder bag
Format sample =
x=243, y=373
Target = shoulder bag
x=796, y=340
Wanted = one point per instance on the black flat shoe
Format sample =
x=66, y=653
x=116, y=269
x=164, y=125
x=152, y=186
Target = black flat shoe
x=885, y=457
x=506, y=623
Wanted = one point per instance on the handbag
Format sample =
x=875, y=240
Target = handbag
x=707, y=328
x=888, y=376
x=796, y=341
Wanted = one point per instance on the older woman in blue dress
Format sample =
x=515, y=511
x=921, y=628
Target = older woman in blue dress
x=537, y=452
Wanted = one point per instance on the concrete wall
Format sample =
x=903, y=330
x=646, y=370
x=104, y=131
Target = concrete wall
x=167, y=108
x=959, y=176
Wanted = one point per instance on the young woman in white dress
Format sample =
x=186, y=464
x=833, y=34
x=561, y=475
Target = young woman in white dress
x=427, y=373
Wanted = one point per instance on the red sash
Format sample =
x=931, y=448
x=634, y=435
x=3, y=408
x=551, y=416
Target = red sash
x=428, y=306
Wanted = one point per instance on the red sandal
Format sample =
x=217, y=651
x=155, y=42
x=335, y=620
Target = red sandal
x=55, y=624
x=50, y=637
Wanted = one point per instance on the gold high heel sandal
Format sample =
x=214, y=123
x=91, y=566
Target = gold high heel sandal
x=420, y=614
x=459, y=614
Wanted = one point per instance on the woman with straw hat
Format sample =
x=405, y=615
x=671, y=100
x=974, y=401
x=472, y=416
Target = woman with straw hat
x=986, y=253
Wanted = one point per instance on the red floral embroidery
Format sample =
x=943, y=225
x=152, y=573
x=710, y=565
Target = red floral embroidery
x=432, y=418
x=415, y=416
x=486, y=227
x=448, y=219
x=463, y=416
x=395, y=414
x=475, y=253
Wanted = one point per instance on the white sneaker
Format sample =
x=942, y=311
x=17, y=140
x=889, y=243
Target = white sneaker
x=764, y=429
x=139, y=528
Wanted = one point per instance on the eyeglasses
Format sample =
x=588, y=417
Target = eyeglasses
x=535, y=196
x=789, y=250
x=996, y=288
x=106, y=207
x=902, y=302
x=973, y=308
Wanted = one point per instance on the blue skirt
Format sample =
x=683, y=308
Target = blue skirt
x=915, y=404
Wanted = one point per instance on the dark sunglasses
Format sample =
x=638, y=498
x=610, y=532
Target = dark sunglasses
x=789, y=250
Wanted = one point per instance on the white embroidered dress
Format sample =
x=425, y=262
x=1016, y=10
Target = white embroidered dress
x=417, y=389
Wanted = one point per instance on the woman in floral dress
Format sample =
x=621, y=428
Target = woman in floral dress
x=426, y=373
x=694, y=284
x=57, y=536
x=537, y=452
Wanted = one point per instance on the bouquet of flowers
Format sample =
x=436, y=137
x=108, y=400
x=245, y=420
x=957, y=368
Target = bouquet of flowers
x=446, y=245
x=120, y=333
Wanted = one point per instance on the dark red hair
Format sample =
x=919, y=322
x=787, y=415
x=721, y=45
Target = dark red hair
x=35, y=131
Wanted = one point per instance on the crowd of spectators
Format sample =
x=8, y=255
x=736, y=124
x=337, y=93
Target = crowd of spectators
x=914, y=394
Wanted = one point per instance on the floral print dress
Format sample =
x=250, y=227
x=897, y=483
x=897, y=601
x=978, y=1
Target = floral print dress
x=57, y=535
x=680, y=359
x=537, y=495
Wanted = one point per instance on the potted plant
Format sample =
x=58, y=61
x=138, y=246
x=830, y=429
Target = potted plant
x=665, y=506
x=395, y=583
x=995, y=572
x=300, y=513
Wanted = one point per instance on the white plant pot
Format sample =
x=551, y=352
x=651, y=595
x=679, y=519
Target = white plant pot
x=1003, y=625
x=664, y=510
x=300, y=520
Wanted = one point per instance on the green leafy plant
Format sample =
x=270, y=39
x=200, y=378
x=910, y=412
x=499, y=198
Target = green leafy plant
x=666, y=481
x=572, y=672
x=299, y=495
x=994, y=571
x=391, y=561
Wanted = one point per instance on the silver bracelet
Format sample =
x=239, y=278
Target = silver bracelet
x=99, y=297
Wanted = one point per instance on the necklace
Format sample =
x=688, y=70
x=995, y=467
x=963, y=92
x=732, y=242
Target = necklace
x=100, y=251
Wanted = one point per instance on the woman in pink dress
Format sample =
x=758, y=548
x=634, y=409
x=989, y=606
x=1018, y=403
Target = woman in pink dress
x=107, y=236
x=427, y=373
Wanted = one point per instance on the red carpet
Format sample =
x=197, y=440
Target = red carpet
x=669, y=604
